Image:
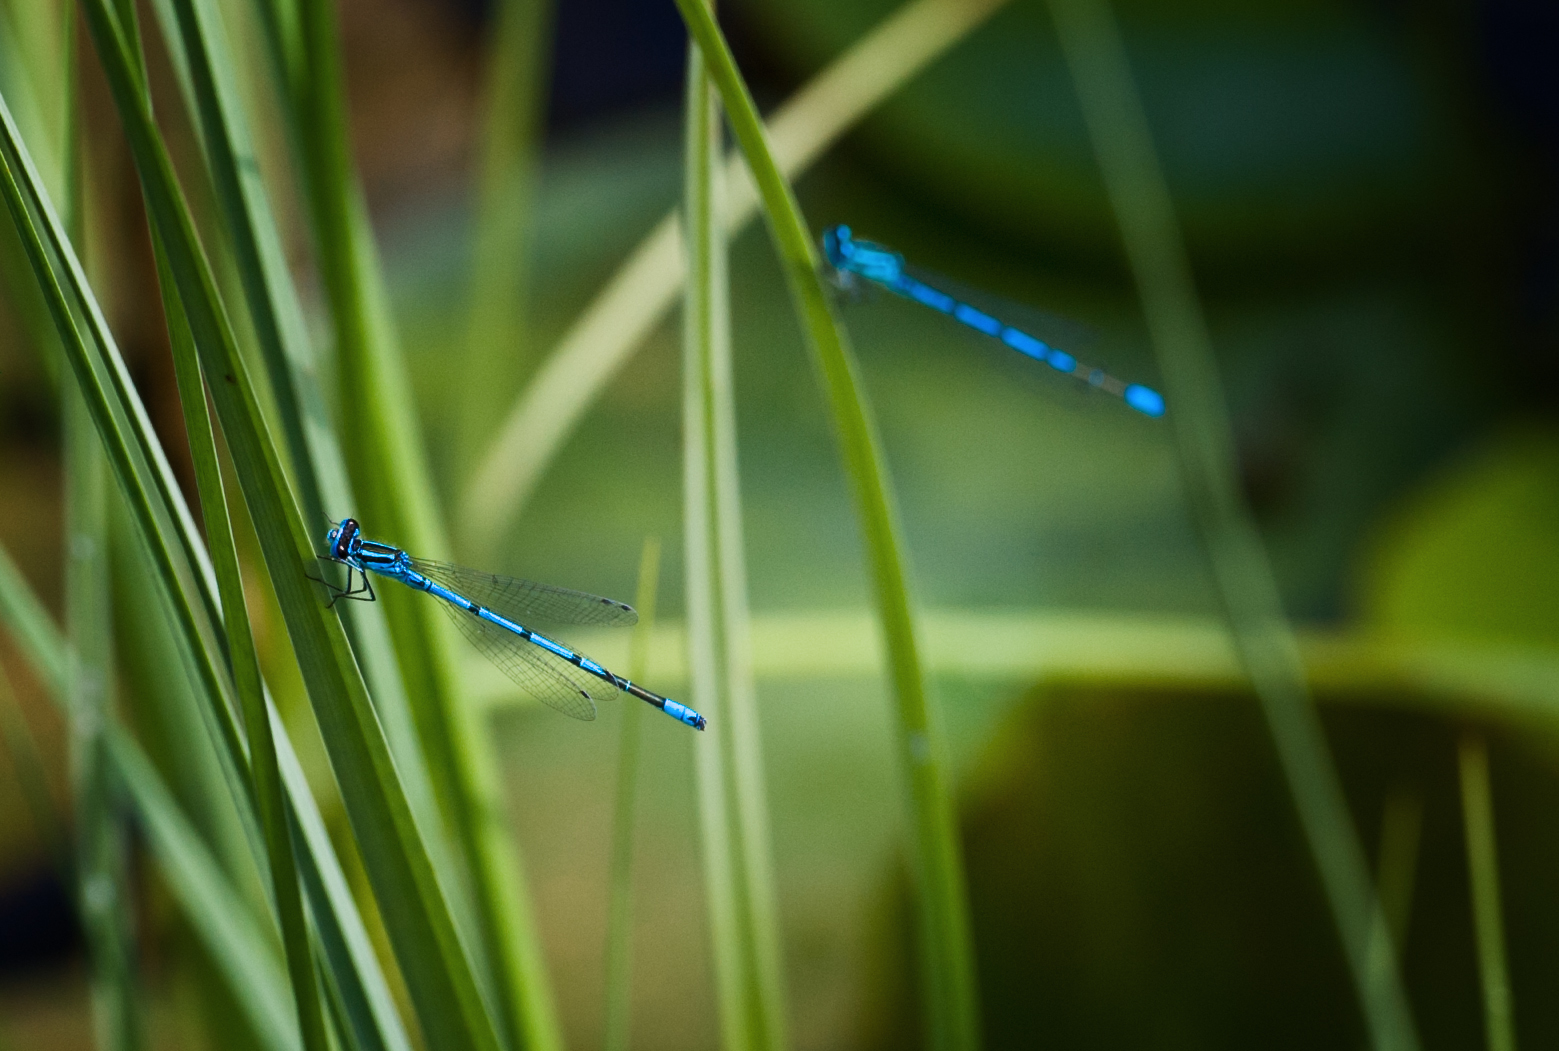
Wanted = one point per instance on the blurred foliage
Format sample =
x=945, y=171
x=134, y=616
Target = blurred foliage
x=1367, y=224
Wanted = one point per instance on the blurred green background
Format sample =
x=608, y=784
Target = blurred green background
x=1367, y=190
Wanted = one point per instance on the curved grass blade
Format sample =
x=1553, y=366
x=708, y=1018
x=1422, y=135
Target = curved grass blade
x=639, y=294
x=228, y=930
x=1483, y=877
x=195, y=38
x=164, y=526
x=947, y=959
x=395, y=486
x=417, y=915
x=734, y=818
x=514, y=104
x=619, y=918
x=220, y=916
x=243, y=662
x=1242, y=574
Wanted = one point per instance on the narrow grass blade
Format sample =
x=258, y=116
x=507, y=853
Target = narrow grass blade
x=243, y=661
x=514, y=98
x=638, y=295
x=619, y=919
x=947, y=958
x=286, y=895
x=1145, y=213
x=734, y=817
x=182, y=576
x=397, y=495
x=418, y=919
x=219, y=915
x=103, y=897
x=104, y=901
x=30, y=626
x=1483, y=875
x=162, y=521
x=240, y=946
x=197, y=41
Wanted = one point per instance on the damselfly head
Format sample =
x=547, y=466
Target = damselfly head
x=342, y=540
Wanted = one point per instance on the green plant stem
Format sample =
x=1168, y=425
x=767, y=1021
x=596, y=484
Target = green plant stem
x=515, y=103
x=1145, y=214
x=729, y=759
x=183, y=581
x=393, y=483
x=243, y=661
x=1483, y=876
x=619, y=918
x=419, y=921
x=104, y=902
x=704, y=322
x=633, y=301
x=287, y=897
x=946, y=954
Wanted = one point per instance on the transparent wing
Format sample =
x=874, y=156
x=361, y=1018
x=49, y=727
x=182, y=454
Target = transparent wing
x=543, y=675
x=524, y=601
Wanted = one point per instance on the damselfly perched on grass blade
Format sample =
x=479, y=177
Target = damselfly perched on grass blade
x=882, y=266
x=490, y=609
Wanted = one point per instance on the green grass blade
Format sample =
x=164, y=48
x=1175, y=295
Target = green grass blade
x=219, y=915
x=139, y=465
x=734, y=816
x=103, y=897
x=515, y=99
x=642, y=291
x=417, y=914
x=1483, y=876
x=196, y=38
x=243, y=661
x=394, y=484
x=947, y=959
x=287, y=898
x=1145, y=214
x=619, y=919
x=29, y=625
x=172, y=544
x=104, y=901
x=237, y=942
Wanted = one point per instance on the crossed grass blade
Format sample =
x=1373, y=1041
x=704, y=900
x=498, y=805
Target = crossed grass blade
x=428, y=948
x=1269, y=653
x=642, y=291
x=946, y=953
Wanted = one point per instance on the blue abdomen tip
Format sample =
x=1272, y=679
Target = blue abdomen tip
x=1145, y=400
x=682, y=713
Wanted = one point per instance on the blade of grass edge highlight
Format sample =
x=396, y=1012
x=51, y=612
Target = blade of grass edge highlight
x=1144, y=212
x=946, y=954
x=104, y=901
x=618, y=1014
x=380, y=414
x=514, y=104
x=644, y=287
x=286, y=896
x=733, y=818
x=198, y=43
x=162, y=521
x=219, y=915
x=166, y=533
x=427, y=944
x=1483, y=880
